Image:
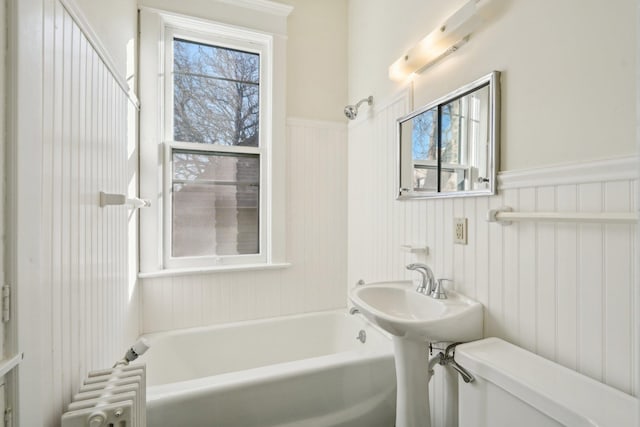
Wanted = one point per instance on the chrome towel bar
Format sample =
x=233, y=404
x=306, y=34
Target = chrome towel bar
x=506, y=216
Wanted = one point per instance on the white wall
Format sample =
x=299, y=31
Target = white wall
x=115, y=22
x=317, y=60
x=72, y=135
x=568, y=70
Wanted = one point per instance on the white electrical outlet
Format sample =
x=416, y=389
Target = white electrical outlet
x=460, y=231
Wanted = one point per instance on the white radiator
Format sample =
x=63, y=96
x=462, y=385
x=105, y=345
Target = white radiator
x=111, y=398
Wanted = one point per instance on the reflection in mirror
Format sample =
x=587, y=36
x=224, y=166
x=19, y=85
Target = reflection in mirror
x=464, y=144
x=449, y=147
x=422, y=151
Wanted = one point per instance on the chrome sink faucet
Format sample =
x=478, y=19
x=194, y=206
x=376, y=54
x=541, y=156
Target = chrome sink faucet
x=428, y=282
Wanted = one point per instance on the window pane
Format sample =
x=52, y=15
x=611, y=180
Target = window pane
x=215, y=199
x=213, y=61
x=215, y=111
x=425, y=178
x=424, y=136
x=424, y=151
x=452, y=132
x=452, y=179
x=216, y=94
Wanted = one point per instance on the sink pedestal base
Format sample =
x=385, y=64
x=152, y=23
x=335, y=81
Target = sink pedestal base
x=412, y=364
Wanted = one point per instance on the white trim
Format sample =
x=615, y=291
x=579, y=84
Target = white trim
x=636, y=293
x=318, y=124
x=151, y=63
x=26, y=22
x=213, y=148
x=94, y=40
x=7, y=365
x=208, y=26
x=170, y=272
x=615, y=169
x=265, y=6
x=3, y=150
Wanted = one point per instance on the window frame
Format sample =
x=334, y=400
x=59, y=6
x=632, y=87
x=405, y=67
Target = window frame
x=209, y=260
x=155, y=24
x=214, y=38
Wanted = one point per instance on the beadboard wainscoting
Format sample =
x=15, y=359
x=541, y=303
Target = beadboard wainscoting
x=90, y=310
x=564, y=291
x=316, y=248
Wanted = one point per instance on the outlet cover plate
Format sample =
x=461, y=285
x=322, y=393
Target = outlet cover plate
x=460, y=231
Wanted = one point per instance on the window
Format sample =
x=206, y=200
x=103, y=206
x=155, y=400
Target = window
x=216, y=94
x=212, y=143
x=215, y=204
x=215, y=156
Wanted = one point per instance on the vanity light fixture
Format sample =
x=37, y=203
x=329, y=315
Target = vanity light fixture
x=439, y=43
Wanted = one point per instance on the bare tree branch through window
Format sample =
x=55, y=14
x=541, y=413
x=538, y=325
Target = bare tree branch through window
x=216, y=95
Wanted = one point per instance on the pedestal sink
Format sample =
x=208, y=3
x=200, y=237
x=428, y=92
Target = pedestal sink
x=414, y=319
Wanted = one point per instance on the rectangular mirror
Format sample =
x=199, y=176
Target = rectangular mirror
x=449, y=147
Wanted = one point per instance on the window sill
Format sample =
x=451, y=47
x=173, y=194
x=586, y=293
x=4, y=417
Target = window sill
x=217, y=269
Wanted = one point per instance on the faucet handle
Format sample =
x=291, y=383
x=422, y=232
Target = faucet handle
x=438, y=291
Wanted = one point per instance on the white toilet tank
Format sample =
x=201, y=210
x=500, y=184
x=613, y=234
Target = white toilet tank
x=514, y=387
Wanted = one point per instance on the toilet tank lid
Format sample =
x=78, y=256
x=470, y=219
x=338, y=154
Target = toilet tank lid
x=563, y=394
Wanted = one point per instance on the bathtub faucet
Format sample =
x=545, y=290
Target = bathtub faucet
x=428, y=282
x=136, y=350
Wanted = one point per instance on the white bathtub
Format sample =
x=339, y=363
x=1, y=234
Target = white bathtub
x=306, y=370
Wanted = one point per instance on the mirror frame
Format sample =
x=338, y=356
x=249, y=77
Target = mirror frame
x=493, y=81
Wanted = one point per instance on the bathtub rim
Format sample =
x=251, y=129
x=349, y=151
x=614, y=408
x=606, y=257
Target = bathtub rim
x=272, y=372
x=228, y=325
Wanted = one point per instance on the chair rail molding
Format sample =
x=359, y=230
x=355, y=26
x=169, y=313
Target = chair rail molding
x=614, y=169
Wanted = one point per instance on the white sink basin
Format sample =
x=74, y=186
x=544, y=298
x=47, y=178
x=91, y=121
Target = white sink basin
x=398, y=309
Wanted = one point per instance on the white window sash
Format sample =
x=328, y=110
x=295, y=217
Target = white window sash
x=212, y=260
